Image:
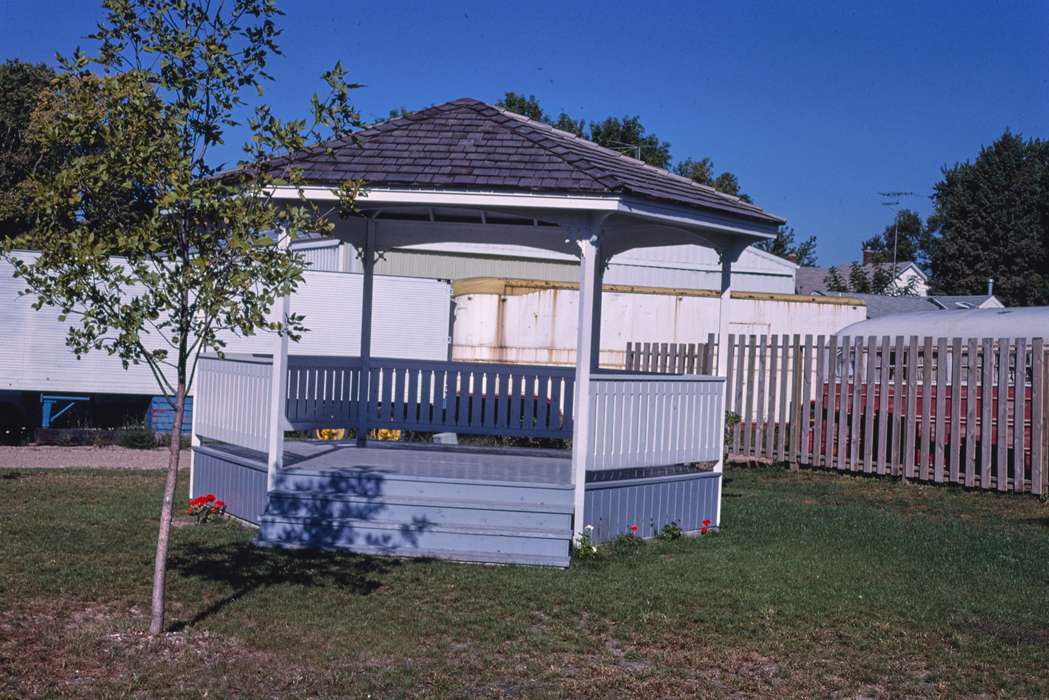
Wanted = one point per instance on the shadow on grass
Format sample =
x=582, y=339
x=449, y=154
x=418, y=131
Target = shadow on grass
x=247, y=568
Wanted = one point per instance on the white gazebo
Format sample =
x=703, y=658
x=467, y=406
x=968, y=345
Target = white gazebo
x=645, y=448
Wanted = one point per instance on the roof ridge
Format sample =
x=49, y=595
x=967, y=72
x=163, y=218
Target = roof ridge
x=587, y=143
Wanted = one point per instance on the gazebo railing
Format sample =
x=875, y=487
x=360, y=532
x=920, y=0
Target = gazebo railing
x=636, y=420
x=232, y=399
x=643, y=420
x=430, y=396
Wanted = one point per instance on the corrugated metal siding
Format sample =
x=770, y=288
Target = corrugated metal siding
x=240, y=484
x=611, y=507
x=35, y=357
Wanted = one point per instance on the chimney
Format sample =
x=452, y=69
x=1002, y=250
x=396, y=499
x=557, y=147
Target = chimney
x=990, y=286
x=868, y=256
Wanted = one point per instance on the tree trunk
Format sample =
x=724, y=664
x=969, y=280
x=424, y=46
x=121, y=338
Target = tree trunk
x=160, y=564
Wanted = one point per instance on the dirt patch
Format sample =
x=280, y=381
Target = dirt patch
x=41, y=456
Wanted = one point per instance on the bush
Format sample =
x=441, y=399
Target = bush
x=139, y=439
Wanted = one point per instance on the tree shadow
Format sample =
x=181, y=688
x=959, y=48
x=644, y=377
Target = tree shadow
x=246, y=568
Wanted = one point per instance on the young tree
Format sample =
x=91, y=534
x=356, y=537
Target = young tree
x=992, y=216
x=152, y=250
x=20, y=85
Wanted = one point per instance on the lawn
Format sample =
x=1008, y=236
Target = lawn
x=819, y=584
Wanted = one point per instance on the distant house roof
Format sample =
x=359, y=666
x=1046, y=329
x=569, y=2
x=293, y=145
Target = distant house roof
x=469, y=145
x=879, y=305
x=1020, y=322
x=812, y=280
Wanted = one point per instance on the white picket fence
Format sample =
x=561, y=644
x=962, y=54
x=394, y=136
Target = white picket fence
x=642, y=420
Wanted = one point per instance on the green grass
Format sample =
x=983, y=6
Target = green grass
x=819, y=584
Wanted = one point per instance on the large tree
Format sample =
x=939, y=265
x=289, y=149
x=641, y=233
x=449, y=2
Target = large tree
x=910, y=237
x=20, y=86
x=151, y=252
x=702, y=171
x=786, y=245
x=992, y=220
x=628, y=135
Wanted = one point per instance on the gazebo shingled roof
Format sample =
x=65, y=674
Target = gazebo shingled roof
x=467, y=145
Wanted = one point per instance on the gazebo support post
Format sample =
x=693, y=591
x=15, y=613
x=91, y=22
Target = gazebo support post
x=588, y=350
x=728, y=255
x=278, y=382
x=368, y=268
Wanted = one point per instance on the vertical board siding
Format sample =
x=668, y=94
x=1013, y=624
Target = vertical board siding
x=640, y=420
x=241, y=486
x=232, y=401
x=971, y=412
x=612, y=507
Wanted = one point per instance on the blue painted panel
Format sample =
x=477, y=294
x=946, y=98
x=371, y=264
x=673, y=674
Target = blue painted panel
x=612, y=506
x=161, y=415
x=240, y=484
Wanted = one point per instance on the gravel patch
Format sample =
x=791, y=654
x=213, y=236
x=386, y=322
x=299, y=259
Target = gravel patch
x=93, y=457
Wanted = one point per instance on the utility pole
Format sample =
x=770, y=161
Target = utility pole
x=892, y=199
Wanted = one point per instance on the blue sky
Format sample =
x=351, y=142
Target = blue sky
x=816, y=107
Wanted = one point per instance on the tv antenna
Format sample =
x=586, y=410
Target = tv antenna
x=892, y=199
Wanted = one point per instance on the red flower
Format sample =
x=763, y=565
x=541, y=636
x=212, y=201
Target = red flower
x=703, y=530
x=706, y=523
x=633, y=528
x=210, y=497
x=220, y=504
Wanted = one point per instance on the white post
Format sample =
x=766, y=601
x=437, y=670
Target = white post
x=728, y=256
x=194, y=441
x=368, y=260
x=278, y=383
x=588, y=337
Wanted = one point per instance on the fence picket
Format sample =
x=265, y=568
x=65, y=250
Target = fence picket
x=912, y=405
x=806, y=402
x=882, y=460
x=986, y=407
x=843, y=402
x=867, y=441
x=818, y=406
x=783, y=398
x=832, y=395
x=941, y=405
x=1039, y=411
x=972, y=383
x=776, y=421
x=759, y=418
x=1019, y=414
x=1002, y=397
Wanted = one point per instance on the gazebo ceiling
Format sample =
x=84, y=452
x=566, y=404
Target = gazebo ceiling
x=469, y=146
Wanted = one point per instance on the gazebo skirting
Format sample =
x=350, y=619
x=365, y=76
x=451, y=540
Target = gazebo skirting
x=654, y=439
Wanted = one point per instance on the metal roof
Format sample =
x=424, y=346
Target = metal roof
x=469, y=145
x=1017, y=322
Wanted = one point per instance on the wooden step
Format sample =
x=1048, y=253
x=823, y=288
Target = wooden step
x=460, y=512
x=419, y=537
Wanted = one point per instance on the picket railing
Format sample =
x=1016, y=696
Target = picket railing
x=430, y=396
x=232, y=400
x=642, y=420
x=673, y=358
x=967, y=411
